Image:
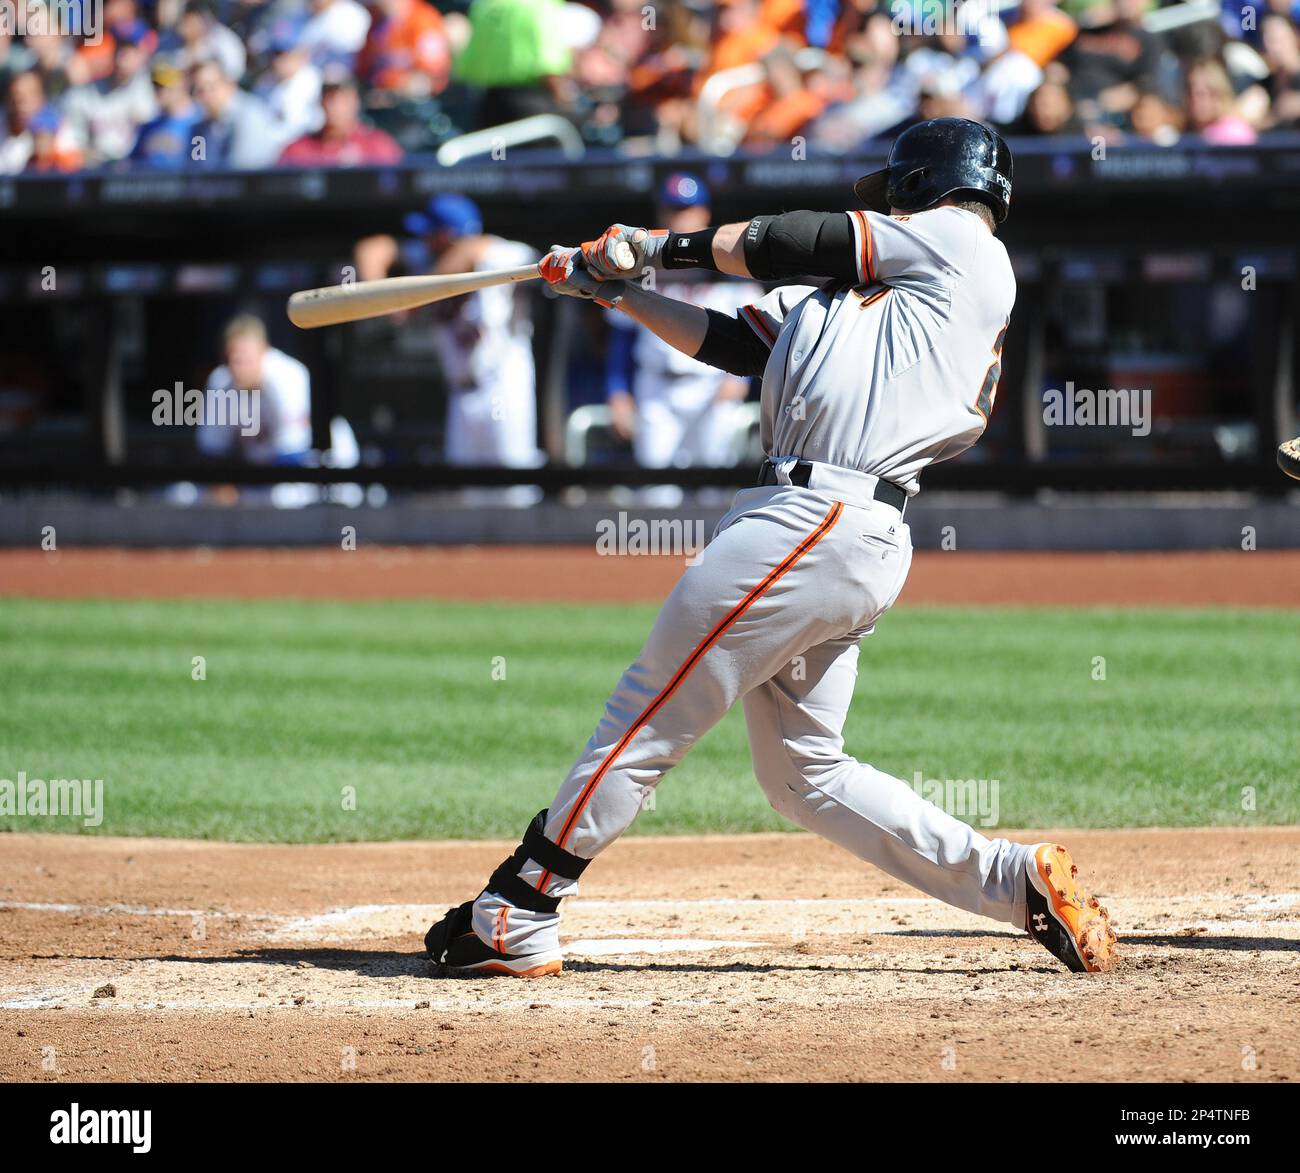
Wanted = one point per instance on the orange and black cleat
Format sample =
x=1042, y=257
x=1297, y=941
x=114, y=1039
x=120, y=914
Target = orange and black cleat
x=456, y=951
x=1062, y=917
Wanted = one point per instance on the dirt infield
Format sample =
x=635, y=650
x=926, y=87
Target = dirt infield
x=759, y=957
x=579, y=574
x=731, y=958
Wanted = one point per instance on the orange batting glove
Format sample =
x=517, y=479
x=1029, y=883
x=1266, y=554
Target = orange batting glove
x=566, y=272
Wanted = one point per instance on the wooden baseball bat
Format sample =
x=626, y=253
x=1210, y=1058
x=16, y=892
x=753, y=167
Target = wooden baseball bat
x=332, y=304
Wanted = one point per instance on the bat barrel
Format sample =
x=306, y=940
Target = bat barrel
x=332, y=305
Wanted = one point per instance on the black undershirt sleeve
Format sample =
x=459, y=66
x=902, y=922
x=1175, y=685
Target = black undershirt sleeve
x=732, y=346
x=801, y=244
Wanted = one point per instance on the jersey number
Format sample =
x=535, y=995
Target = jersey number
x=989, y=391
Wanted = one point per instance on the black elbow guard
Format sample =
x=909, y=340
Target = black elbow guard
x=797, y=244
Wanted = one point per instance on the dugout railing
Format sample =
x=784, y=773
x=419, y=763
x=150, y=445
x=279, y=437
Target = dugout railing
x=1180, y=260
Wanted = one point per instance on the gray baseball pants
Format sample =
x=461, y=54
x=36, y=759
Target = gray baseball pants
x=773, y=614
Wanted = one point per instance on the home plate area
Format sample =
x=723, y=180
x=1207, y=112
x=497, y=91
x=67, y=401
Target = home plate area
x=773, y=957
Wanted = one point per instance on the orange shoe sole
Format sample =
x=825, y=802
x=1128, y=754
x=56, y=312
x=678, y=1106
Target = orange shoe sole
x=496, y=969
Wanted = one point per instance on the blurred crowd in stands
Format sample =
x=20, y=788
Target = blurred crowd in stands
x=259, y=83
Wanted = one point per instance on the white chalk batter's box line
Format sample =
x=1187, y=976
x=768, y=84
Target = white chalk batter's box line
x=342, y=916
x=1272, y=903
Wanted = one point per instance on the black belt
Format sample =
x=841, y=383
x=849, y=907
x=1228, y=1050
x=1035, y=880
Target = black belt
x=886, y=491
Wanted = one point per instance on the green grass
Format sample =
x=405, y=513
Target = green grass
x=398, y=701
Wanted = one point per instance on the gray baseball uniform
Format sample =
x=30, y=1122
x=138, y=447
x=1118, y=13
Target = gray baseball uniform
x=871, y=380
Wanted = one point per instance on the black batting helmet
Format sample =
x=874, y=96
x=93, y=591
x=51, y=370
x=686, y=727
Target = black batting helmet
x=939, y=158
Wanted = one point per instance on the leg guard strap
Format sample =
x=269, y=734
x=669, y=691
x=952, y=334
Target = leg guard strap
x=550, y=855
x=506, y=882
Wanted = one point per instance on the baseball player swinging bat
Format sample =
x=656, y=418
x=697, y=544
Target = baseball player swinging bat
x=331, y=305
x=886, y=364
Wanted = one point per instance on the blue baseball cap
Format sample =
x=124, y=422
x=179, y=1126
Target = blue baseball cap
x=454, y=213
x=44, y=121
x=683, y=190
x=284, y=38
x=130, y=32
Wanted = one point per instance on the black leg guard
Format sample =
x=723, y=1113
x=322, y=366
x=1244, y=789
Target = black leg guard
x=455, y=948
x=505, y=880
